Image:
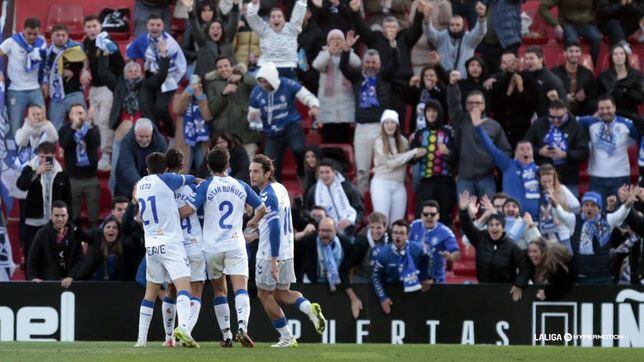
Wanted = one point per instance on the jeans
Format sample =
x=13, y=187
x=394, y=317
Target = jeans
x=287, y=73
x=90, y=189
x=438, y=188
x=589, y=32
x=363, y=140
x=389, y=197
x=111, y=182
x=58, y=109
x=617, y=31
x=607, y=186
x=100, y=98
x=484, y=186
x=275, y=146
x=17, y=103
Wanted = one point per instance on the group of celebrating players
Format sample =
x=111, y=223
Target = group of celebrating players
x=181, y=250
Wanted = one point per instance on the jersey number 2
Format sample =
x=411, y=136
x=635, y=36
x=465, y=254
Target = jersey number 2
x=229, y=210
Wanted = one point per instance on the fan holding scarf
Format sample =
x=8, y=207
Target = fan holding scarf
x=591, y=233
x=65, y=60
x=402, y=262
x=24, y=54
x=150, y=47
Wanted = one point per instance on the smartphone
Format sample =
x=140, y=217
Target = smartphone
x=49, y=159
x=194, y=79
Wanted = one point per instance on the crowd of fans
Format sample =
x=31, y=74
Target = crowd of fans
x=430, y=93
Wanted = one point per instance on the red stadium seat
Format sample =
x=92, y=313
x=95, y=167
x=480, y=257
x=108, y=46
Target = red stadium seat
x=69, y=15
x=539, y=30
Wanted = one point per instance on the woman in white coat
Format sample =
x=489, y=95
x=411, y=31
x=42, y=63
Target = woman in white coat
x=391, y=155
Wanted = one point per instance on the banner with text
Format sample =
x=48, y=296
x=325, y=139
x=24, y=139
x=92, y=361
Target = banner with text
x=610, y=316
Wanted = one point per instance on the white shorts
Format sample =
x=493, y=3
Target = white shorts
x=166, y=262
x=285, y=275
x=197, y=267
x=232, y=262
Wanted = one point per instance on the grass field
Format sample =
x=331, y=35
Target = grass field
x=123, y=351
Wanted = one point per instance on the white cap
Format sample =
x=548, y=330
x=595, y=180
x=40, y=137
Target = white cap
x=391, y=115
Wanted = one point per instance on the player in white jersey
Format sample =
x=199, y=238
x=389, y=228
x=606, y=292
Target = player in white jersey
x=224, y=200
x=274, y=271
x=192, y=243
x=165, y=254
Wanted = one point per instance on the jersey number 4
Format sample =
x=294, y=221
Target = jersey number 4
x=153, y=206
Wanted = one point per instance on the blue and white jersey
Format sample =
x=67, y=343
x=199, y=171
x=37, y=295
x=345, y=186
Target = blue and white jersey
x=609, y=144
x=276, y=228
x=192, y=234
x=158, y=209
x=437, y=240
x=224, y=200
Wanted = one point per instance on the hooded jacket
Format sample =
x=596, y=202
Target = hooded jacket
x=430, y=137
x=497, y=261
x=277, y=107
x=470, y=83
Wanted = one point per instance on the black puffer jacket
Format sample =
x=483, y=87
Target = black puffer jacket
x=497, y=261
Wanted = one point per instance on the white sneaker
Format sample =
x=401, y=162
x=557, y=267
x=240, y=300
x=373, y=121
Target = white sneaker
x=285, y=343
x=104, y=163
x=140, y=344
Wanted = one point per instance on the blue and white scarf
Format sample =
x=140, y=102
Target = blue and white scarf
x=104, y=43
x=530, y=182
x=53, y=75
x=82, y=160
x=145, y=47
x=606, y=138
x=556, y=138
x=33, y=58
x=330, y=257
x=514, y=228
x=407, y=269
x=194, y=126
x=596, y=228
x=369, y=93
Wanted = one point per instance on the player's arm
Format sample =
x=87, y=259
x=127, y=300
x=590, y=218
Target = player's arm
x=253, y=200
x=175, y=180
x=196, y=200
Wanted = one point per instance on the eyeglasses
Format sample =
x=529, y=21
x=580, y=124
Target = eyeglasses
x=557, y=118
x=430, y=214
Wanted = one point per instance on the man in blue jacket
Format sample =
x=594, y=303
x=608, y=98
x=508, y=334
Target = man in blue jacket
x=272, y=110
x=401, y=262
x=520, y=175
x=436, y=237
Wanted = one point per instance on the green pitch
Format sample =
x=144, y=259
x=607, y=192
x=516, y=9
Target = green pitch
x=123, y=351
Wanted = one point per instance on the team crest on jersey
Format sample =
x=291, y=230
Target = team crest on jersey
x=158, y=231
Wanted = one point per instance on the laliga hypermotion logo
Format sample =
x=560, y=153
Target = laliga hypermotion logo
x=573, y=323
